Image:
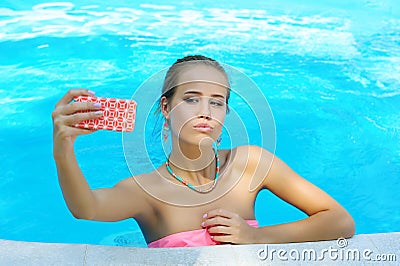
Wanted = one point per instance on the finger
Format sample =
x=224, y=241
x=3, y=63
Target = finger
x=81, y=131
x=78, y=107
x=73, y=131
x=69, y=96
x=217, y=220
x=219, y=212
x=219, y=230
x=78, y=117
x=223, y=238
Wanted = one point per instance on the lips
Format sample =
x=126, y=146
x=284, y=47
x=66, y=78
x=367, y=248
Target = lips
x=203, y=127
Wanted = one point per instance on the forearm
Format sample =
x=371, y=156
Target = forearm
x=324, y=225
x=76, y=191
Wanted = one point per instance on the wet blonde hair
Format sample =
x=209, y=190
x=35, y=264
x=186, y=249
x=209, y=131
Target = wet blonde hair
x=172, y=76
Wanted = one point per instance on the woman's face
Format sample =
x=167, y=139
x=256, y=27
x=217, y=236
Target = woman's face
x=198, y=107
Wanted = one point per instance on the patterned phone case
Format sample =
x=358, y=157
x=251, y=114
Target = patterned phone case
x=118, y=114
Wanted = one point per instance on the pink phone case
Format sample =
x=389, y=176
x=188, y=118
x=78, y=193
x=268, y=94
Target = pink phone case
x=118, y=114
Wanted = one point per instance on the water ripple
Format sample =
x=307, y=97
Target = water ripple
x=312, y=34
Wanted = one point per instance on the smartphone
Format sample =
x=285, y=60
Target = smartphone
x=118, y=114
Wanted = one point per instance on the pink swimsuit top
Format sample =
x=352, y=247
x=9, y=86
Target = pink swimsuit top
x=194, y=238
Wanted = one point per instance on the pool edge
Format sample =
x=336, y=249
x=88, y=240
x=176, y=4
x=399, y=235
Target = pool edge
x=37, y=253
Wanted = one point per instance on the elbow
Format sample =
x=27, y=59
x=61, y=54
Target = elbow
x=347, y=226
x=83, y=215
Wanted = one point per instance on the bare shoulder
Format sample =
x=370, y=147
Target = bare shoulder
x=132, y=195
x=251, y=149
x=253, y=156
x=124, y=200
x=136, y=183
x=252, y=163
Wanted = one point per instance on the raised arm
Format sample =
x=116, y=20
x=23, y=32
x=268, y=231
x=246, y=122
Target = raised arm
x=327, y=218
x=109, y=204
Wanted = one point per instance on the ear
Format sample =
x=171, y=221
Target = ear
x=164, y=107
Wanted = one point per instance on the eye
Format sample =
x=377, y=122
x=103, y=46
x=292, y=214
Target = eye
x=217, y=103
x=192, y=100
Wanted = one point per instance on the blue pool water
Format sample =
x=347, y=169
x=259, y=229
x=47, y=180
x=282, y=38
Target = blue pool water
x=330, y=72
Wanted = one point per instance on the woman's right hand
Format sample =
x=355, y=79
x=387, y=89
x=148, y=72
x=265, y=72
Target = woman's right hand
x=66, y=115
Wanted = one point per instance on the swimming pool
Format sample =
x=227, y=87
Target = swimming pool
x=329, y=71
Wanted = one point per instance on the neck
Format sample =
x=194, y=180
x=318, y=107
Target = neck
x=195, y=163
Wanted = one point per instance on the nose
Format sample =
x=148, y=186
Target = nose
x=205, y=111
x=206, y=117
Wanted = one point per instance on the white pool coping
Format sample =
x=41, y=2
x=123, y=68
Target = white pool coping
x=360, y=250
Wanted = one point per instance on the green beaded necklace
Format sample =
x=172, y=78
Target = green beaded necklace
x=190, y=185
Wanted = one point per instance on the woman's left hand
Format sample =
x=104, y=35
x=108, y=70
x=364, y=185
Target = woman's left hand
x=228, y=227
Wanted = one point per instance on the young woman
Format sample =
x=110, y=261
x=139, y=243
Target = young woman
x=194, y=103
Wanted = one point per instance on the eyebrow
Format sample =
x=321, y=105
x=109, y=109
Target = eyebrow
x=199, y=93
